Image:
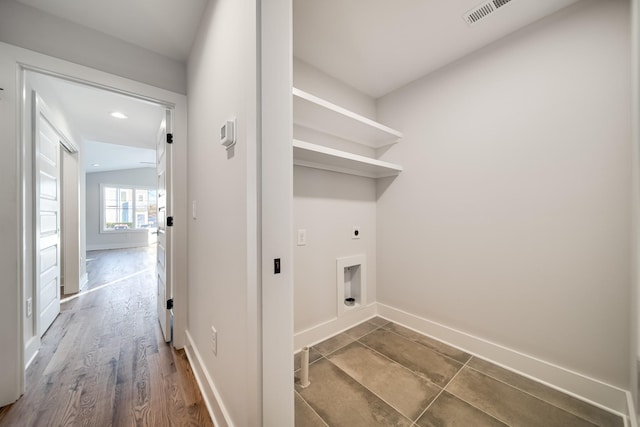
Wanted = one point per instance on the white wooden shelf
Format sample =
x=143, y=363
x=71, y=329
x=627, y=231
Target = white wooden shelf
x=318, y=114
x=325, y=158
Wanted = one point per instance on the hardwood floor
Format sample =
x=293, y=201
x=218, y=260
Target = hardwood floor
x=103, y=362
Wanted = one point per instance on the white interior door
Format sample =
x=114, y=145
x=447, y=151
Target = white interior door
x=47, y=210
x=164, y=270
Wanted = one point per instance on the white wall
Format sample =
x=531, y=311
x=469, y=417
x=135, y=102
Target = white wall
x=30, y=28
x=222, y=76
x=10, y=233
x=511, y=221
x=316, y=82
x=328, y=205
x=142, y=177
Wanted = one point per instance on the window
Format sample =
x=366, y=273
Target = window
x=128, y=208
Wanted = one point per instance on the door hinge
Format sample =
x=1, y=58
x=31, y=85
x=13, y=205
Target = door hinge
x=169, y=138
x=169, y=221
x=169, y=304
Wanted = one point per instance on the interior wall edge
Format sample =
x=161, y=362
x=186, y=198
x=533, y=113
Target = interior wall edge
x=634, y=356
x=581, y=386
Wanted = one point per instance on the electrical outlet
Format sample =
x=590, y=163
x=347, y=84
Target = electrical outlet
x=194, y=209
x=302, y=237
x=214, y=341
x=29, y=307
x=355, y=234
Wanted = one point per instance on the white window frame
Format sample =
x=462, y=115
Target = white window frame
x=134, y=201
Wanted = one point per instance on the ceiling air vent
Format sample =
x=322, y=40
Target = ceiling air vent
x=483, y=10
x=500, y=3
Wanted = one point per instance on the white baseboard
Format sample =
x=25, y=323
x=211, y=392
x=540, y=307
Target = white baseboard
x=332, y=327
x=596, y=392
x=31, y=349
x=632, y=420
x=217, y=410
x=107, y=246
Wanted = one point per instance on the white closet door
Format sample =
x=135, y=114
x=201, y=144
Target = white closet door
x=47, y=201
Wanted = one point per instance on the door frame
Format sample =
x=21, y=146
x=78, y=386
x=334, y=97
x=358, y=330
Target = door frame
x=29, y=61
x=70, y=236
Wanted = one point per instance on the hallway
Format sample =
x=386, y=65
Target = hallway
x=103, y=361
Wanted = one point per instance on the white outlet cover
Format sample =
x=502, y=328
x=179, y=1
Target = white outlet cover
x=302, y=237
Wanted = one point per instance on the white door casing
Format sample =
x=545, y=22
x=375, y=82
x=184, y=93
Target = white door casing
x=70, y=218
x=47, y=217
x=164, y=268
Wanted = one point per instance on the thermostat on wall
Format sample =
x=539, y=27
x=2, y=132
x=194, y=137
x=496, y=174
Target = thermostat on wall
x=228, y=133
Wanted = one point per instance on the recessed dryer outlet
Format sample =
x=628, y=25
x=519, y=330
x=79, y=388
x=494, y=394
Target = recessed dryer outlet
x=351, y=283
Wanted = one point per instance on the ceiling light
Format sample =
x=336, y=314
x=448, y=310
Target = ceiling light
x=118, y=115
x=95, y=165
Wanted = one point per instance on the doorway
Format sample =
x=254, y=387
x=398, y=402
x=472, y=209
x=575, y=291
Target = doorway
x=127, y=221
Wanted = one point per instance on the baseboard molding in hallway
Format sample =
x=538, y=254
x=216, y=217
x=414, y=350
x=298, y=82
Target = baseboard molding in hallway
x=210, y=395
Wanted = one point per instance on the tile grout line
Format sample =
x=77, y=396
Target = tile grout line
x=385, y=327
x=483, y=373
x=351, y=342
x=534, y=396
x=471, y=404
x=443, y=389
x=401, y=365
x=371, y=391
x=310, y=407
x=429, y=348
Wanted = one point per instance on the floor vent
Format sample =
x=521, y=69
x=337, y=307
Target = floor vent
x=483, y=10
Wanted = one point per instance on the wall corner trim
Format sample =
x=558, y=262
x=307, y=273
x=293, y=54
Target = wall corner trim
x=215, y=406
x=580, y=386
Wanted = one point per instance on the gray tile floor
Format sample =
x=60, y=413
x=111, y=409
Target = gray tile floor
x=382, y=374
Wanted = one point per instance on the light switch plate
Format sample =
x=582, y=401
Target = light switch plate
x=214, y=341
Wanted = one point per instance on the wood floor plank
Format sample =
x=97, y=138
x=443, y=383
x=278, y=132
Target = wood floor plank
x=104, y=361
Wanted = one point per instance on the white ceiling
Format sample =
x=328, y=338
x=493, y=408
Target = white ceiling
x=377, y=46
x=167, y=27
x=112, y=143
x=101, y=157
